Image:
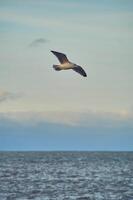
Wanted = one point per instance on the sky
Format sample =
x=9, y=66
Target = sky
x=42, y=109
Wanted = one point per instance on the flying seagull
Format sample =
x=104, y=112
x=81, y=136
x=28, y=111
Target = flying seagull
x=66, y=64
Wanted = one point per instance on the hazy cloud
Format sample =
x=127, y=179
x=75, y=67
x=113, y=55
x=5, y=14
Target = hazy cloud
x=37, y=42
x=79, y=119
x=4, y=96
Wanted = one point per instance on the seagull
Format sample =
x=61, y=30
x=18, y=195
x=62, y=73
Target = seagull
x=66, y=64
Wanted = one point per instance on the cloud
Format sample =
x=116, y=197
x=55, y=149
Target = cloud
x=89, y=119
x=102, y=119
x=37, y=42
x=5, y=95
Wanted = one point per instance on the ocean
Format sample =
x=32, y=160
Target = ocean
x=66, y=175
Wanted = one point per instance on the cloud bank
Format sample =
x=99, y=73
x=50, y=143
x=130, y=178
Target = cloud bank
x=91, y=119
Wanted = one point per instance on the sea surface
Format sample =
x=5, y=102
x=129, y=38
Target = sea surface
x=66, y=175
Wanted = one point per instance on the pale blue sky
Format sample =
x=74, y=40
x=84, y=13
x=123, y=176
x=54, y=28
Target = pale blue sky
x=85, y=113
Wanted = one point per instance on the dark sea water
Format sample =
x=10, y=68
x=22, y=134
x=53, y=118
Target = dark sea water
x=66, y=175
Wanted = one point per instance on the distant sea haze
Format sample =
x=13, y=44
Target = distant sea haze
x=66, y=175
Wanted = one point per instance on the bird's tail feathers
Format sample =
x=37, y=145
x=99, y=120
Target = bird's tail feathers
x=56, y=67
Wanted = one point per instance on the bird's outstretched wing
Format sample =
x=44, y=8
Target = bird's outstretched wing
x=61, y=57
x=80, y=70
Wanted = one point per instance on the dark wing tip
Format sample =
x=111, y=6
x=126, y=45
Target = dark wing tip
x=53, y=51
x=56, y=52
x=80, y=70
x=85, y=75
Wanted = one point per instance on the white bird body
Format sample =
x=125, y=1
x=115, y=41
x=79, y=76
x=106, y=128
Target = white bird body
x=66, y=64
